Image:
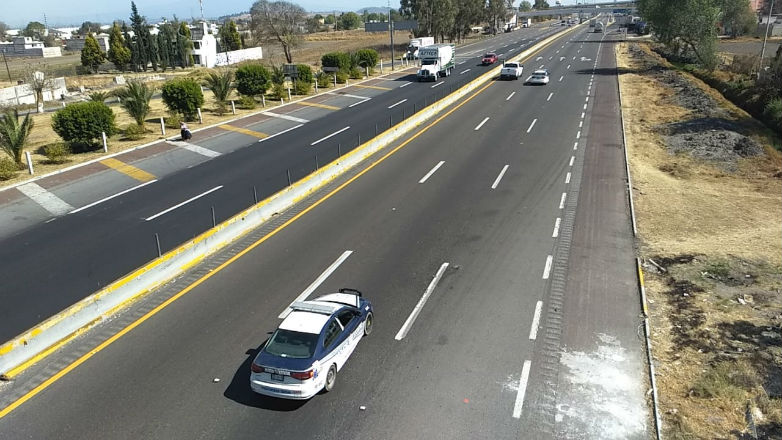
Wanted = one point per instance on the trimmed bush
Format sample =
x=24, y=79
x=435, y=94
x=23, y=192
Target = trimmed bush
x=773, y=113
x=133, y=132
x=356, y=73
x=366, y=58
x=247, y=102
x=57, y=152
x=172, y=121
x=342, y=77
x=279, y=91
x=340, y=60
x=183, y=96
x=304, y=73
x=252, y=79
x=8, y=168
x=301, y=87
x=80, y=124
x=324, y=80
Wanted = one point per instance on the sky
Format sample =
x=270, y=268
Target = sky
x=61, y=13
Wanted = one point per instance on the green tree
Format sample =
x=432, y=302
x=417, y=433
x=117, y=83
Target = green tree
x=134, y=99
x=118, y=53
x=183, y=96
x=525, y=6
x=541, y=4
x=349, y=20
x=91, y=54
x=468, y=13
x=252, y=79
x=80, y=124
x=229, y=36
x=366, y=58
x=738, y=17
x=340, y=60
x=3, y=30
x=89, y=27
x=221, y=84
x=278, y=21
x=184, y=46
x=329, y=19
x=13, y=135
x=139, y=44
x=34, y=30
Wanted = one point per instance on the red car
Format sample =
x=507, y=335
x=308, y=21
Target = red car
x=489, y=58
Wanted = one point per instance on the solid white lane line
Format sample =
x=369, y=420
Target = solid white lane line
x=560, y=78
x=394, y=105
x=194, y=148
x=464, y=71
x=547, y=269
x=497, y=180
x=510, y=96
x=405, y=84
x=287, y=117
x=414, y=314
x=533, y=331
x=578, y=134
x=562, y=201
x=567, y=178
x=532, y=125
x=282, y=132
x=332, y=134
x=360, y=102
x=549, y=96
x=522, y=390
x=440, y=83
x=166, y=211
x=432, y=171
x=555, y=234
x=111, y=197
x=318, y=281
x=572, y=159
x=478, y=127
x=47, y=200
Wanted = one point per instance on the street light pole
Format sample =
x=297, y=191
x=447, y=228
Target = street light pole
x=765, y=37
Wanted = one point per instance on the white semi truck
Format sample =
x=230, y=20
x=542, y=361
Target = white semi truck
x=436, y=60
x=416, y=44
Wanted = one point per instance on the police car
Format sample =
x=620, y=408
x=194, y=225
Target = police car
x=311, y=345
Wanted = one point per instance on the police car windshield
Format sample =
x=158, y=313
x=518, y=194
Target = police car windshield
x=290, y=344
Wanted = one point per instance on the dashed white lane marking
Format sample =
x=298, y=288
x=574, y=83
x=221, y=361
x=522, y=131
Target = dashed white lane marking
x=575, y=146
x=360, y=102
x=549, y=96
x=499, y=177
x=287, y=117
x=318, y=281
x=478, y=127
x=572, y=159
x=464, y=71
x=533, y=331
x=578, y=134
x=547, y=268
x=585, y=106
x=112, y=196
x=567, y=178
x=462, y=62
x=538, y=58
x=438, y=84
x=580, y=124
x=405, y=84
x=562, y=201
x=166, y=211
x=587, y=99
x=510, y=96
x=195, y=148
x=574, y=58
x=582, y=115
x=47, y=200
x=532, y=125
x=549, y=58
x=432, y=171
x=414, y=314
x=396, y=104
x=568, y=66
x=279, y=133
x=332, y=134
x=555, y=234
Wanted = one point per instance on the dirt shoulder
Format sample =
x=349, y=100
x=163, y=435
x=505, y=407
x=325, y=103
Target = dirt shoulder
x=708, y=199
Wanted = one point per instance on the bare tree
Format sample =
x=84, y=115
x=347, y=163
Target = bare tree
x=39, y=82
x=278, y=21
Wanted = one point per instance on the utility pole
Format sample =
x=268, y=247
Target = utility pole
x=6, y=67
x=765, y=37
x=391, y=30
x=201, y=5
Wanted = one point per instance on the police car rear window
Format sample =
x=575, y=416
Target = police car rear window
x=290, y=344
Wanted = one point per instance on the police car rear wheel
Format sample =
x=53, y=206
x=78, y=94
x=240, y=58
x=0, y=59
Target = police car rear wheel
x=331, y=377
x=368, y=324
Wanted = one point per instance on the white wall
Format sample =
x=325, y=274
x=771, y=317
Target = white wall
x=237, y=56
x=23, y=94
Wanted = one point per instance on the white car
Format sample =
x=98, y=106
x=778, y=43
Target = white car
x=311, y=344
x=539, y=77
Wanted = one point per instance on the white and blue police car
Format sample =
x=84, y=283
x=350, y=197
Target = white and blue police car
x=311, y=345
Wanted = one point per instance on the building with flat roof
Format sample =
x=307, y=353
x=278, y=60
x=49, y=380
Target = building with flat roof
x=27, y=47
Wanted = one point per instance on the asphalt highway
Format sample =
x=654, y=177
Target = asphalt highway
x=53, y=263
x=483, y=190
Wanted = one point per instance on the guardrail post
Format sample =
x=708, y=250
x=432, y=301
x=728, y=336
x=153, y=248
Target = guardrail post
x=288, y=173
x=367, y=70
x=200, y=118
x=214, y=221
x=105, y=145
x=263, y=100
x=233, y=107
x=157, y=241
x=381, y=67
x=255, y=195
x=335, y=80
x=282, y=101
x=29, y=162
x=316, y=87
x=162, y=127
x=289, y=93
x=339, y=150
x=316, y=162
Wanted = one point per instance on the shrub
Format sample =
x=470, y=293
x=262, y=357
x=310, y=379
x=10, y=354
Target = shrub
x=366, y=58
x=279, y=91
x=247, y=102
x=252, y=79
x=302, y=87
x=172, y=121
x=304, y=73
x=356, y=73
x=340, y=60
x=773, y=113
x=183, y=96
x=99, y=96
x=80, y=124
x=133, y=132
x=8, y=168
x=57, y=152
x=342, y=77
x=324, y=80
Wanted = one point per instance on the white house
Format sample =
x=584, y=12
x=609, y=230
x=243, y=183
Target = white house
x=27, y=47
x=204, y=45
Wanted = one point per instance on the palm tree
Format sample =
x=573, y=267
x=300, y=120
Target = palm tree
x=221, y=84
x=134, y=98
x=13, y=135
x=99, y=96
